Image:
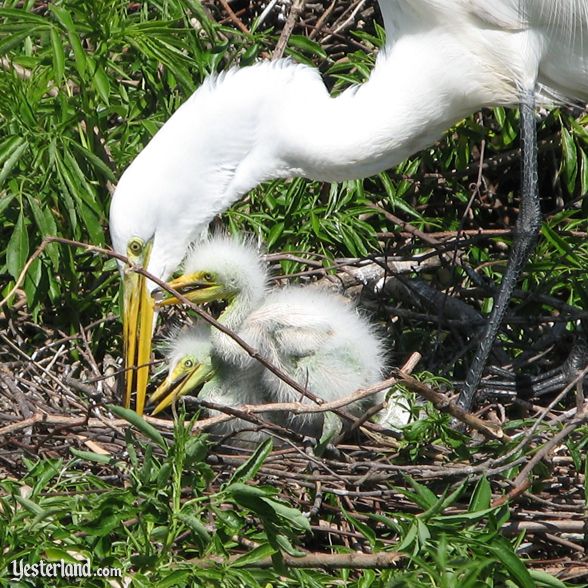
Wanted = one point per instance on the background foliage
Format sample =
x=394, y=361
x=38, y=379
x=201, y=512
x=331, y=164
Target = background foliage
x=83, y=86
x=86, y=84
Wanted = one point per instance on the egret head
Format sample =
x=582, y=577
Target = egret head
x=189, y=366
x=144, y=228
x=212, y=150
x=222, y=268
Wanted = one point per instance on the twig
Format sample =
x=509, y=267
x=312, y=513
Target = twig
x=296, y=9
x=234, y=18
x=33, y=362
x=290, y=407
x=321, y=21
x=426, y=238
x=347, y=22
x=443, y=404
x=324, y=561
x=523, y=481
x=580, y=420
x=241, y=411
x=546, y=526
x=264, y=14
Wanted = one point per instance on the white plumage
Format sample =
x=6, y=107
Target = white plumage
x=443, y=60
x=316, y=337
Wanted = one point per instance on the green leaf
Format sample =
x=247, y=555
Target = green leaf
x=250, y=55
x=583, y=172
x=139, y=423
x=64, y=17
x=91, y=456
x=12, y=41
x=45, y=222
x=562, y=246
x=12, y=160
x=93, y=160
x=32, y=282
x=424, y=497
x=9, y=145
x=147, y=468
x=239, y=489
x=248, y=470
x=364, y=529
x=58, y=57
x=5, y=200
x=544, y=579
x=252, y=498
x=56, y=554
x=102, y=84
x=31, y=506
x=261, y=552
x=570, y=160
x=306, y=44
x=292, y=515
x=199, y=531
x=22, y=16
x=44, y=472
x=424, y=534
x=196, y=449
x=17, y=251
x=274, y=234
x=176, y=578
x=284, y=544
x=482, y=495
x=164, y=474
x=503, y=551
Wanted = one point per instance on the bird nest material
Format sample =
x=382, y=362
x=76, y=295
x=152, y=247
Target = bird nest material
x=49, y=406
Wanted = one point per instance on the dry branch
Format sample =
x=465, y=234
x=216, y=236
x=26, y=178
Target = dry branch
x=443, y=404
x=324, y=561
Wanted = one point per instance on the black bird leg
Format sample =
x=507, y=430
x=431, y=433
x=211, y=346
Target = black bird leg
x=531, y=387
x=558, y=378
x=527, y=231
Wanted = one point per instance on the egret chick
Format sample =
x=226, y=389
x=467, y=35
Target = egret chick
x=314, y=336
x=190, y=366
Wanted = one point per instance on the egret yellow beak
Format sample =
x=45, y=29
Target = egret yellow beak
x=180, y=381
x=138, y=310
x=198, y=288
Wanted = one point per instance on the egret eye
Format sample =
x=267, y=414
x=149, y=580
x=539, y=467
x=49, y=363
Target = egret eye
x=135, y=246
x=208, y=278
x=188, y=363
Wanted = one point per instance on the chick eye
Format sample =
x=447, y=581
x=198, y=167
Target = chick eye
x=188, y=363
x=135, y=246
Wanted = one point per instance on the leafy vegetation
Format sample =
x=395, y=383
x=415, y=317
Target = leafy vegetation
x=83, y=86
x=171, y=520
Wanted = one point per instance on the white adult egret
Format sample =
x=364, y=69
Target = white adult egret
x=443, y=60
x=314, y=336
x=190, y=366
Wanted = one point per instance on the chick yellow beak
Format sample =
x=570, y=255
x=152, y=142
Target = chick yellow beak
x=180, y=381
x=138, y=311
x=198, y=288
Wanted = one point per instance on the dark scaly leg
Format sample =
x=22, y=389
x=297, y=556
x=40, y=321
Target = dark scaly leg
x=527, y=230
x=559, y=378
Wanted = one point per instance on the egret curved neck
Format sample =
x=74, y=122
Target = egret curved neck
x=409, y=101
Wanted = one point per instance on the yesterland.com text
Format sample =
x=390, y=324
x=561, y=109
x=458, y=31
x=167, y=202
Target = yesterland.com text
x=59, y=569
